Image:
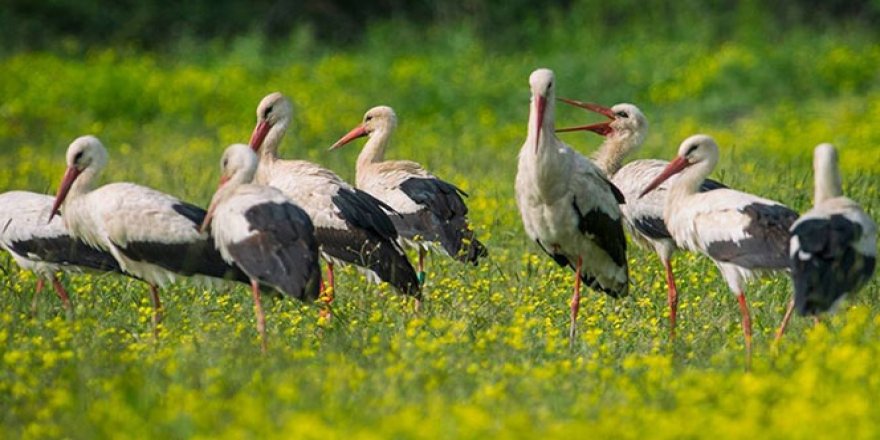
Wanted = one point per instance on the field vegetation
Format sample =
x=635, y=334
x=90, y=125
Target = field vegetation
x=487, y=354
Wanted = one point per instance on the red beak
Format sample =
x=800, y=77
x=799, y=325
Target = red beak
x=601, y=128
x=259, y=135
x=674, y=167
x=540, y=105
x=66, y=182
x=359, y=131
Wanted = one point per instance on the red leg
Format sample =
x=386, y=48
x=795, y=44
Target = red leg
x=258, y=311
x=59, y=289
x=40, y=283
x=157, y=309
x=747, y=327
x=327, y=293
x=785, y=320
x=672, y=298
x=575, y=302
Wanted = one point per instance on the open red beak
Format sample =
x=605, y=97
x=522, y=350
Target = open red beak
x=259, y=135
x=601, y=128
x=540, y=105
x=674, y=167
x=359, y=131
x=66, y=182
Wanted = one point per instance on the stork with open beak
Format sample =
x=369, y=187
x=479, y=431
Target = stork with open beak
x=624, y=132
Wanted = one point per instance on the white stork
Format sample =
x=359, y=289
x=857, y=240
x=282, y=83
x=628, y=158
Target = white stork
x=350, y=225
x=567, y=205
x=433, y=213
x=259, y=230
x=742, y=233
x=45, y=248
x=153, y=236
x=833, y=247
x=624, y=133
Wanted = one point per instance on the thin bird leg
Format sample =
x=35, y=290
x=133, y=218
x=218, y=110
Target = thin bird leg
x=327, y=293
x=421, y=274
x=575, y=303
x=672, y=298
x=62, y=293
x=785, y=320
x=747, y=327
x=258, y=311
x=157, y=309
x=40, y=283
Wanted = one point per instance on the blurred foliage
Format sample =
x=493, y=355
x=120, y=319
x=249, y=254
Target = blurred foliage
x=150, y=24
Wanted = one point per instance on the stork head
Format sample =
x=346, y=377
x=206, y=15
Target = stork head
x=274, y=110
x=238, y=165
x=541, y=82
x=624, y=121
x=377, y=119
x=85, y=152
x=697, y=149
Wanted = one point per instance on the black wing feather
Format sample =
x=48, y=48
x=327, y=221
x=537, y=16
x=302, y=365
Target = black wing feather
x=766, y=243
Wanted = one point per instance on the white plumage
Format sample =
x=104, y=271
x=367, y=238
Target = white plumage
x=41, y=247
x=833, y=247
x=152, y=235
x=624, y=132
x=433, y=214
x=742, y=233
x=262, y=232
x=350, y=225
x=567, y=205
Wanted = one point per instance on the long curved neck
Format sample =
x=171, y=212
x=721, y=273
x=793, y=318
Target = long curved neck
x=85, y=183
x=689, y=181
x=374, y=148
x=828, y=184
x=269, y=150
x=611, y=154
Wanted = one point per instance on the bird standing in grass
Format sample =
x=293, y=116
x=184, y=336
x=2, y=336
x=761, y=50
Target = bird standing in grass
x=567, y=204
x=833, y=248
x=624, y=132
x=433, y=214
x=350, y=225
x=259, y=230
x=742, y=233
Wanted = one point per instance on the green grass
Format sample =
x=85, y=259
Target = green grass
x=487, y=355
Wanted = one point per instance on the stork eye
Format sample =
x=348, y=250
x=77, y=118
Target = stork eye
x=77, y=157
x=266, y=112
x=692, y=149
x=368, y=118
x=622, y=114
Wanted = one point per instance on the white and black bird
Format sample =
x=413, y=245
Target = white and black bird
x=833, y=246
x=45, y=248
x=153, y=236
x=624, y=132
x=351, y=226
x=567, y=204
x=742, y=233
x=433, y=214
x=258, y=229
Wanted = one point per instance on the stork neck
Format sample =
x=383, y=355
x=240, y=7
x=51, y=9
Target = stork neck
x=269, y=150
x=85, y=183
x=611, y=154
x=828, y=184
x=374, y=149
x=689, y=181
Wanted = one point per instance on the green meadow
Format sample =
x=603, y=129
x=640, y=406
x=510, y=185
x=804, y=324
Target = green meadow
x=487, y=354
